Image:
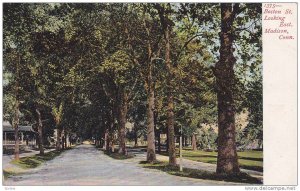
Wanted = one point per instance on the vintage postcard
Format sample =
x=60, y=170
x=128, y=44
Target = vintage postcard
x=149, y=94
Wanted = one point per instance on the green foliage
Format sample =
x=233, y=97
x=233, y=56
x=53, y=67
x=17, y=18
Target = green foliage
x=207, y=139
x=254, y=129
x=75, y=61
x=118, y=65
x=137, y=116
x=57, y=113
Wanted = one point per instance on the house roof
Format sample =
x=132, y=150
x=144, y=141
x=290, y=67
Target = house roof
x=7, y=127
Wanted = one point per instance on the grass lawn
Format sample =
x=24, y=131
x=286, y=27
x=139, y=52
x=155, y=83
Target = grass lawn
x=30, y=162
x=200, y=174
x=35, y=160
x=8, y=173
x=251, y=160
x=118, y=156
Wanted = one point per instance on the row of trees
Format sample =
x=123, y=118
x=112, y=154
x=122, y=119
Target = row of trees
x=90, y=68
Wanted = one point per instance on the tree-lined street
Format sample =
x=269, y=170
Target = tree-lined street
x=85, y=165
x=126, y=75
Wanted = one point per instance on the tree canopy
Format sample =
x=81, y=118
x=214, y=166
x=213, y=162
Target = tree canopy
x=167, y=68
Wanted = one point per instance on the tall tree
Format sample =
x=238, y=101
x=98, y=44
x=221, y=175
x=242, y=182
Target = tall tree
x=227, y=154
x=143, y=44
x=17, y=25
x=164, y=11
x=226, y=82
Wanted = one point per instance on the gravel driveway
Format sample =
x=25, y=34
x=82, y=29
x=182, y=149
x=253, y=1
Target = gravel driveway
x=85, y=165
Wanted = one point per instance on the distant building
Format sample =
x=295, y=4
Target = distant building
x=27, y=136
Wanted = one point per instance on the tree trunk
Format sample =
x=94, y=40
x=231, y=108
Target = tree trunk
x=123, y=108
x=194, y=144
x=101, y=143
x=151, y=157
x=157, y=134
x=15, y=122
x=63, y=142
x=58, y=139
x=170, y=110
x=16, y=127
x=68, y=141
x=40, y=132
x=136, y=140
x=112, y=145
x=227, y=154
x=66, y=144
x=106, y=141
x=171, y=133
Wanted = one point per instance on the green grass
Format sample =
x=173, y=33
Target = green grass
x=251, y=160
x=29, y=163
x=119, y=156
x=8, y=173
x=200, y=174
x=35, y=160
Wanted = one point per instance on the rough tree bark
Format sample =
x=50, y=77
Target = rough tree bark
x=40, y=132
x=227, y=154
x=170, y=109
x=151, y=157
x=123, y=109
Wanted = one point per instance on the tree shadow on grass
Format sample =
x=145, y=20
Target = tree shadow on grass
x=213, y=160
x=255, y=168
x=201, y=174
x=30, y=162
x=119, y=156
x=35, y=160
x=7, y=173
x=212, y=156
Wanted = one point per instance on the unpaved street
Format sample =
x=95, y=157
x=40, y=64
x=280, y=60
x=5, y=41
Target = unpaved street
x=85, y=165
